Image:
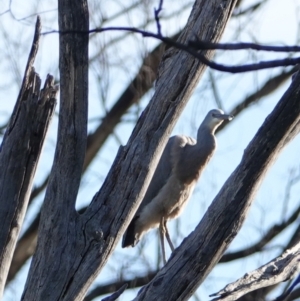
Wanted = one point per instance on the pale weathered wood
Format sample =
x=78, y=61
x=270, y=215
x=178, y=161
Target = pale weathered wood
x=201, y=250
x=73, y=248
x=281, y=268
x=19, y=154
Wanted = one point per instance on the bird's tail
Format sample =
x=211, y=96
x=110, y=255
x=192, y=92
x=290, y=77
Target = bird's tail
x=129, y=237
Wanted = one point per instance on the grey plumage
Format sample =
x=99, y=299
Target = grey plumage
x=174, y=179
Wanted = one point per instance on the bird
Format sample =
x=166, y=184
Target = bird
x=179, y=168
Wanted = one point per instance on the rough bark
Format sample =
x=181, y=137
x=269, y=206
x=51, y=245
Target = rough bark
x=279, y=269
x=24, y=249
x=201, y=250
x=131, y=95
x=114, y=286
x=58, y=251
x=19, y=154
x=27, y=243
x=257, y=295
x=73, y=248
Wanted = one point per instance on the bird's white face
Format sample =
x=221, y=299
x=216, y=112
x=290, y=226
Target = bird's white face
x=216, y=117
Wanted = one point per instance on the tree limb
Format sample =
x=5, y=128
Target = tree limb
x=268, y=87
x=84, y=242
x=140, y=281
x=271, y=233
x=250, y=9
x=58, y=213
x=279, y=269
x=117, y=294
x=111, y=287
x=135, y=90
x=201, y=250
x=19, y=153
x=201, y=45
x=288, y=61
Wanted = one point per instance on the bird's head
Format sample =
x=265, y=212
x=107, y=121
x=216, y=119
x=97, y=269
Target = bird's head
x=214, y=118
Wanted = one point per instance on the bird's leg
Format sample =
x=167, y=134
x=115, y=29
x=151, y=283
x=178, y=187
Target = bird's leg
x=168, y=235
x=161, y=234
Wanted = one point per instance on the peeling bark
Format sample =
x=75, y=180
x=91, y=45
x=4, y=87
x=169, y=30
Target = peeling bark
x=282, y=268
x=19, y=154
x=27, y=243
x=73, y=248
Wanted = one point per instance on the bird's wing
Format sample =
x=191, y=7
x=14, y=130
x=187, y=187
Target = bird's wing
x=181, y=143
x=169, y=158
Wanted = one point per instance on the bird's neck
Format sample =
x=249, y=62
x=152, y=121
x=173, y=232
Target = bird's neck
x=195, y=157
x=206, y=144
x=205, y=131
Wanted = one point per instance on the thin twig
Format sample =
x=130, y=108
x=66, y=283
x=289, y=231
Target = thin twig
x=187, y=47
x=265, y=239
x=117, y=294
x=248, y=10
x=215, y=90
x=156, y=14
x=205, y=45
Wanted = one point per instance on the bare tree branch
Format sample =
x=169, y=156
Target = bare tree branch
x=156, y=15
x=202, y=45
x=136, y=89
x=140, y=281
x=26, y=245
x=84, y=242
x=250, y=9
x=269, y=86
x=58, y=212
x=202, y=249
x=295, y=238
x=215, y=90
x=187, y=47
x=279, y=269
x=258, y=295
x=117, y=294
x=111, y=287
x=23, y=140
x=24, y=249
x=271, y=233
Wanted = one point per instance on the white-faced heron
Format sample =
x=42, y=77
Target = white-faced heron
x=174, y=179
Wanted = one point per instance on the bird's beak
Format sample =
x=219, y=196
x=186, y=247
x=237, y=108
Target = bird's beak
x=224, y=116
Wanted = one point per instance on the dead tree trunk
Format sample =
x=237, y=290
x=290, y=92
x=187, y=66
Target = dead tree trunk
x=73, y=248
x=19, y=155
